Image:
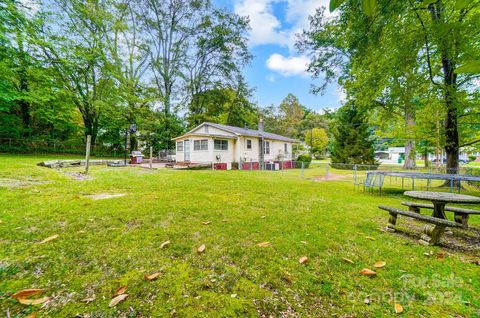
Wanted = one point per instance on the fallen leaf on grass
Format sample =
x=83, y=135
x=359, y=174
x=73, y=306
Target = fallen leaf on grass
x=441, y=255
x=120, y=291
x=379, y=264
x=48, y=239
x=32, y=315
x=206, y=222
x=201, y=249
x=263, y=216
x=370, y=238
x=164, y=244
x=303, y=260
x=151, y=276
x=398, y=308
x=367, y=272
x=25, y=293
x=37, y=301
x=263, y=244
x=117, y=299
x=348, y=260
x=303, y=242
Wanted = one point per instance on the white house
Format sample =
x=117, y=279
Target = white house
x=229, y=146
x=394, y=155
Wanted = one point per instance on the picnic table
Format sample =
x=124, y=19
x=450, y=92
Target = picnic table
x=440, y=199
x=438, y=219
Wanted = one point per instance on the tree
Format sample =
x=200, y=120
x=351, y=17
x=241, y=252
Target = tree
x=220, y=51
x=352, y=142
x=317, y=139
x=170, y=26
x=438, y=38
x=75, y=47
x=224, y=106
x=291, y=113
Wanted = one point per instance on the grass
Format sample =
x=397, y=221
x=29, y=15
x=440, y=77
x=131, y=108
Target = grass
x=105, y=244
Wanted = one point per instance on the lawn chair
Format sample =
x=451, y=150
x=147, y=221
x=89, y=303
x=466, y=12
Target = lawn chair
x=366, y=183
x=377, y=182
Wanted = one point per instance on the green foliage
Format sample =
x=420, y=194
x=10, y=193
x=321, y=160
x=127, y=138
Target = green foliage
x=352, y=142
x=306, y=159
x=317, y=138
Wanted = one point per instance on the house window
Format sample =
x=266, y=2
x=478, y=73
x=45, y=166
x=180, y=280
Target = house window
x=249, y=144
x=286, y=148
x=179, y=145
x=199, y=145
x=267, y=148
x=220, y=144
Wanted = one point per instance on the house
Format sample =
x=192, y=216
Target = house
x=394, y=155
x=228, y=147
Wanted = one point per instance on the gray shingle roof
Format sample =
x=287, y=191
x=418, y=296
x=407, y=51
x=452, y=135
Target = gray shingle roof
x=251, y=132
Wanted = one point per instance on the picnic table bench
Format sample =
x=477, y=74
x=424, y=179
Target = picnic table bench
x=431, y=235
x=438, y=219
x=461, y=214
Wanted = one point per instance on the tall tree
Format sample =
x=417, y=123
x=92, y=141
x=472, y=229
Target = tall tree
x=291, y=112
x=437, y=38
x=352, y=142
x=73, y=43
x=170, y=26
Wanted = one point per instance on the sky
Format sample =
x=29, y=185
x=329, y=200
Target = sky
x=277, y=68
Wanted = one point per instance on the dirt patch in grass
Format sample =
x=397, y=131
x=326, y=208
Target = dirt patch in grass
x=79, y=176
x=103, y=196
x=16, y=183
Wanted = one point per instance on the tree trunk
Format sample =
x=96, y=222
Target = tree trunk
x=410, y=162
x=447, y=46
x=91, y=128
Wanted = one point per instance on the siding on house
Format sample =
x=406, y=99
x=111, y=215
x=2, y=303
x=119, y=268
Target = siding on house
x=237, y=146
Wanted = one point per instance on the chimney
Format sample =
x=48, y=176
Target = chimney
x=260, y=125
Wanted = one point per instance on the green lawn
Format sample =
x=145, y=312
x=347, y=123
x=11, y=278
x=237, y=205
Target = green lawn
x=105, y=244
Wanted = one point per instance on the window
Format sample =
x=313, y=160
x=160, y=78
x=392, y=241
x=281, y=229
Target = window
x=249, y=144
x=200, y=145
x=179, y=145
x=267, y=148
x=220, y=144
x=286, y=148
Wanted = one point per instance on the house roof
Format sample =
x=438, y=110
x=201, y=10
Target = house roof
x=242, y=132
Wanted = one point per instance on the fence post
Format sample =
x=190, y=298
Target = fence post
x=303, y=165
x=87, y=153
x=251, y=164
x=326, y=171
x=355, y=174
x=151, y=159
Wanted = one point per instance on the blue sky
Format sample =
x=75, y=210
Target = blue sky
x=277, y=69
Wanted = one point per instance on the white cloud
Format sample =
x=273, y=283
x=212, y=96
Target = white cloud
x=266, y=28
x=288, y=66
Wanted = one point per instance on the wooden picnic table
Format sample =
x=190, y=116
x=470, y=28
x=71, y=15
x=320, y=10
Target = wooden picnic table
x=440, y=199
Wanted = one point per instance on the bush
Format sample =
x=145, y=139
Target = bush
x=306, y=159
x=472, y=158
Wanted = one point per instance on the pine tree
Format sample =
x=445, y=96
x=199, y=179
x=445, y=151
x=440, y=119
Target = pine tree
x=352, y=139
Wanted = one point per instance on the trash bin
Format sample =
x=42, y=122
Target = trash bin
x=136, y=157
